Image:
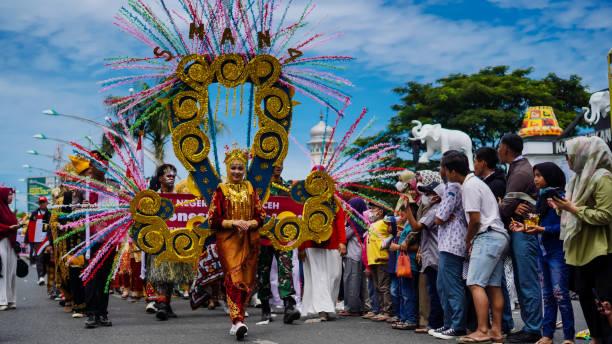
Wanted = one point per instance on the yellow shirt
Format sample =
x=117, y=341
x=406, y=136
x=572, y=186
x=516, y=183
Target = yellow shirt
x=378, y=232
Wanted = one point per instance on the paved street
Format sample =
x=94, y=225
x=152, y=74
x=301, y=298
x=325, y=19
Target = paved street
x=40, y=320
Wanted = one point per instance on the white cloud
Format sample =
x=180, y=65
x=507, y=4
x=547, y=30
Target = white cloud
x=528, y=4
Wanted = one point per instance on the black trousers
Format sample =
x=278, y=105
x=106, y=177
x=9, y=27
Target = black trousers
x=595, y=277
x=42, y=262
x=76, y=286
x=95, y=296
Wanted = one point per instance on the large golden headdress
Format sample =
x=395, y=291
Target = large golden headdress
x=236, y=153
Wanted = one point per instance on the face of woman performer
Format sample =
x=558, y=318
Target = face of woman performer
x=11, y=196
x=236, y=174
x=538, y=180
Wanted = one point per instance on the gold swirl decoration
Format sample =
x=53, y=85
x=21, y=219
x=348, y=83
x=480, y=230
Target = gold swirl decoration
x=288, y=232
x=190, y=143
x=179, y=245
x=144, y=208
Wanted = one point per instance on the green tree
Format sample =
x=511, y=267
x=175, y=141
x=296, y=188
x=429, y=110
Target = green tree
x=486, y=104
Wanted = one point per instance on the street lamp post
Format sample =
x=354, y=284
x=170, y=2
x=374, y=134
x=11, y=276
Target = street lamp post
x=57, y=158
x=50, y=112
x=41, y=136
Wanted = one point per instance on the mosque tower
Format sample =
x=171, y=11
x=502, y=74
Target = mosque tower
x=320, y=136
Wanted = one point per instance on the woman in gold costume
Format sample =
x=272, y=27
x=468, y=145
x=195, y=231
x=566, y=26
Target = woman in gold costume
x=235, y=215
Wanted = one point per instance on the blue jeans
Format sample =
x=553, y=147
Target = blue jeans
x=525, y=252
x=375, y=306
x=436, y=315
x=451, y=290
x=556, y=295
x=409, y=299
x=507, y=320
x=395, y=294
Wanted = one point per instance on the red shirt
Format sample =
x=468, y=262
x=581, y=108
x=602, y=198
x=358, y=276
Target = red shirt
x=338, y=235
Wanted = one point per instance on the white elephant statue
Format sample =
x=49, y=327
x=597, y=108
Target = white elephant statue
x=441, y=140
x=600, y=106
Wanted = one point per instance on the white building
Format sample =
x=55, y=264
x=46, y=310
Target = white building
x=320, y=136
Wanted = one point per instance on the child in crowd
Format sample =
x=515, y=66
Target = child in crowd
x=380, y=234
x=408, y=312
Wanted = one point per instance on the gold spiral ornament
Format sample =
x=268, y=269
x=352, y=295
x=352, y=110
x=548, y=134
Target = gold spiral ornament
x=194, y=70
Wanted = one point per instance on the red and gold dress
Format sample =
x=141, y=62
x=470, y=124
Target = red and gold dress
x=238, y=251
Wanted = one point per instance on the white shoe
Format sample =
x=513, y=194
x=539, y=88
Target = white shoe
x=77, y=315
x=150, y=308
x=41, y=281
x=12, y=305
x=233, y=330
x=4, y=308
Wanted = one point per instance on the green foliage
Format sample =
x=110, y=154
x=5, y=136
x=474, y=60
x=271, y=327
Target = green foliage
x=486, y=104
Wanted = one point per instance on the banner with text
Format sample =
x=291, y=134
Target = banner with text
x=187, y=206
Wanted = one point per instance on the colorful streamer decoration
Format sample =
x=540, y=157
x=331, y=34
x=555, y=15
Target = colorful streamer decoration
x=213, y=28
x=107, y=214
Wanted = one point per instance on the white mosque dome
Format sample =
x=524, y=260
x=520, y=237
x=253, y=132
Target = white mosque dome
x=320, y=130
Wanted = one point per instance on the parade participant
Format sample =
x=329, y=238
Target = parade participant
x=59, y=249
x=586, y=230
x=165, y=275
x=431, y=191
x=36, y=235
x=487, y=242
x=96, y=295
x=235, y=215
x=129, y=272
x=74, y=294
x=524, y=247
x=323, y=270
x=452, y=229
x=284, y=263
x=550, y=180
x=8, y=238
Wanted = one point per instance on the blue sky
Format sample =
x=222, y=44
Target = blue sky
x=54, y=50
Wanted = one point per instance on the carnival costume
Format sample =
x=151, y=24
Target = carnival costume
x=238, y=250
x=284, y=262
x=164, y=276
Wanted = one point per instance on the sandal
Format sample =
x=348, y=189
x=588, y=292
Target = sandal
x=545, y=340
x=404, y=326
x=470, y=340
x=499, y=340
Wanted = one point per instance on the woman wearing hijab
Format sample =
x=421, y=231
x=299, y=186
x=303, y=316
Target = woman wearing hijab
x=8, y=240
x=586, y=228
x=550, y=181
x=355, y=291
